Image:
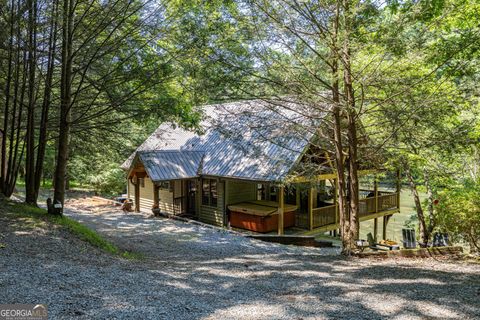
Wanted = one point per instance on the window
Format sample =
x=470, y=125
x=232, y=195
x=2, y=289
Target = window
x=209, y=192
x=167, y=185
x=141, y=182
x=261, y=192
x=164, y=185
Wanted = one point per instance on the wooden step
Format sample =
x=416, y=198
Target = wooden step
x=306, y=241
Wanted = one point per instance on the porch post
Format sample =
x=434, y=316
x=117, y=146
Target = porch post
x=385, y=223
x=281, y=207
x=399, y=188
x=198, y=196
x=310, y=208
x=156, y=200
x=335, y=201
x=375, y=228
x=375, y=191
x=137, y=195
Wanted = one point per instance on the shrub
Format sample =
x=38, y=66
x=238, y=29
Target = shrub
x=459, y=213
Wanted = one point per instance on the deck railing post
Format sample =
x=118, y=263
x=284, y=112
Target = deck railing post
x=310, y=208
x=137, y=195
x=281, y=207
x=384, y=231
x=375, y=191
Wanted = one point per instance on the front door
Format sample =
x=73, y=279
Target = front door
x=191, y=196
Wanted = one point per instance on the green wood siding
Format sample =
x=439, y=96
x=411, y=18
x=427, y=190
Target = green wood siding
x=239, y=191
x=214, y=215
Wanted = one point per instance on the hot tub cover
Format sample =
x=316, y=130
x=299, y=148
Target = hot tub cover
x=260, y=208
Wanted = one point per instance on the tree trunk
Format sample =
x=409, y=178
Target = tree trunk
x=337, y=133
x=42, y=137
x=339, y=162
x=418, y=207
x=30, y=134
x=431, y=209
x=353, y=178
x=353, y=185
x=65, y=106
x=19, y=87
x=2, y=178
x=473, y=242
x=3, y=152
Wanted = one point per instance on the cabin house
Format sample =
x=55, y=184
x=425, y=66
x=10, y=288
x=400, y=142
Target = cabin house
x=256, y=165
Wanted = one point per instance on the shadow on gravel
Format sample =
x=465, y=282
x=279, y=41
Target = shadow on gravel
x=288, y=287
x=196, y=272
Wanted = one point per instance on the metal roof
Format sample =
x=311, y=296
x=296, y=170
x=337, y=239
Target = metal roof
x=167, y=136
x=252, y=140
x=171, y=165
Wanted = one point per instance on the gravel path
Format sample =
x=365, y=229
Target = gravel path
x=168, y=239
x=193, y=272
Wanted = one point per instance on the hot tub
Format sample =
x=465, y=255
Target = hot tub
x=260, y=216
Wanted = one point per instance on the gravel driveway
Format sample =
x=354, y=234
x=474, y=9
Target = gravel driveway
x=168, y=239
x=193, y=272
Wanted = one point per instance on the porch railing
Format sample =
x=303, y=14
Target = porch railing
x=387, y=202
x=366, y=206
x=324, y=216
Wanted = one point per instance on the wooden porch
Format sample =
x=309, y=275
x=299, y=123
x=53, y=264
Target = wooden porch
x=323, y=215
x=327, y=217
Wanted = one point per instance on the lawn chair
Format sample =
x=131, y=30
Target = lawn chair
x=440, y=239
x=409, y=241
x=370, y=239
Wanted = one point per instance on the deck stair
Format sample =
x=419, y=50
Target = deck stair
x=306, y=241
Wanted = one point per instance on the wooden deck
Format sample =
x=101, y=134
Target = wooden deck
x=326, y=218
x=335, y=226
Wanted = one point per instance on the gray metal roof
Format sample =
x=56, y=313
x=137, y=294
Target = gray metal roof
x=167, y=136
x=170, y=165
x=252, y=140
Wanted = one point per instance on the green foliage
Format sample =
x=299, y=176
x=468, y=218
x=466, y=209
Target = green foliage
x=95, y=161
x=411, y=222
x=110, y=181
x=458, y=213
x=214, y=45
x=39, y=217
x=415, y=68
x=423, y=106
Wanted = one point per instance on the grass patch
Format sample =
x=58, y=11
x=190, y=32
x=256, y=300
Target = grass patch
x=38, y=217
x=47, y=184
